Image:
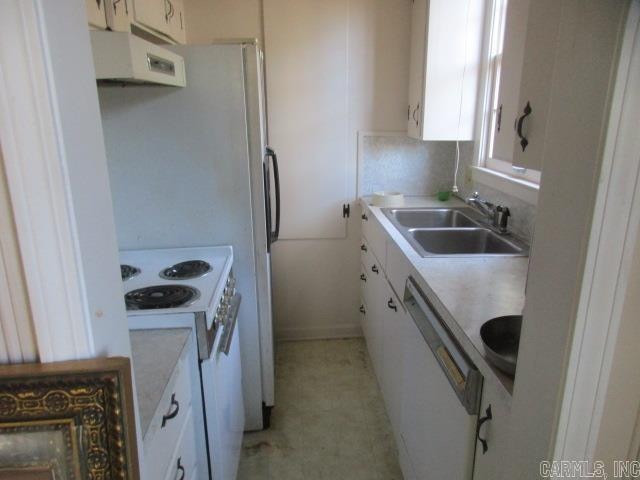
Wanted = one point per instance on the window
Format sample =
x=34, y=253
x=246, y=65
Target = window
x=491, y=158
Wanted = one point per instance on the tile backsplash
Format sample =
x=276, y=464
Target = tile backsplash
x=399, y=163
x=402, y=164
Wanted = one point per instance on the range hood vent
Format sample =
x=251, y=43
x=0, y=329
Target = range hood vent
x=123, y=57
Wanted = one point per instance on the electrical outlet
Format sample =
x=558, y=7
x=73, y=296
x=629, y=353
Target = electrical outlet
x=468, y=175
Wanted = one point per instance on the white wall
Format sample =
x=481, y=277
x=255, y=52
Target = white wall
x=316, y=293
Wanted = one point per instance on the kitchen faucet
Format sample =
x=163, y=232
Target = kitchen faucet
x=497, y=214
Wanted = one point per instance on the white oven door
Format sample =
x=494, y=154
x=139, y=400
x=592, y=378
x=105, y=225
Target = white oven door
x=223, y=400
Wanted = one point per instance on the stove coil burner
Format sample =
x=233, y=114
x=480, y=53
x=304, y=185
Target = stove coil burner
x=161, y=296
x=186, y=270
x=128, y=271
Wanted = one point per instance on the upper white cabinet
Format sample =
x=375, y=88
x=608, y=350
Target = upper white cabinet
x=541, y=42
x=161, y=19
x=96, y=14
x=446, y=41
x=525, y=81
x=119, y=14
x=162, y=16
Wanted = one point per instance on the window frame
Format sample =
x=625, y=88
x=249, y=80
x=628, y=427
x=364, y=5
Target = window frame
x=494, y=42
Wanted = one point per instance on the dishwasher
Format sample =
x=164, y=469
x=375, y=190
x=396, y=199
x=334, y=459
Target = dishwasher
x=444, y=388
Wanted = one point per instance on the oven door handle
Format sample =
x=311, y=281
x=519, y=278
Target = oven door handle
x=230, y=325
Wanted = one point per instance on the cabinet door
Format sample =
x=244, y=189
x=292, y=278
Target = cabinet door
x=153, y=14
x=419, y=12
x=307, y=65
x=95, y=14
x=394, y=323
x=119, y=14
x=535, y=86
x=515, y=32
x=176, y=21
x=495, y=432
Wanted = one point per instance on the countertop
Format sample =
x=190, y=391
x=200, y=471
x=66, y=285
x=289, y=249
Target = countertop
x=466, y=291
x=155, y=354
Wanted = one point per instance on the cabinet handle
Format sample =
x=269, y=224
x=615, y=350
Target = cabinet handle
x=392, y=305
x=363, y=247
x=414, y=114
x=523, y=140
x=374, y=269
x=180, y=469
x=488, y=416
x=499, y=119
x=172, y=413
x=362, y=310
x=364, y=217
x=363, y=277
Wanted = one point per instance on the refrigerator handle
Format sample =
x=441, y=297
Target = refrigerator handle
x=276, y=179
x=267, y=200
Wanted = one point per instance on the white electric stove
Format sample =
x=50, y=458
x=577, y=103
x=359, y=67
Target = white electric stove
x=195, y=287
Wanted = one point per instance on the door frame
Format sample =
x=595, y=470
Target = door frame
x=613, y=238
x=36, y=171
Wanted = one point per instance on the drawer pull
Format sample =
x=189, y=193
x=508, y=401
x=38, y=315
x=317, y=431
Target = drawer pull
x=363, y=247
x=488, y=416
x=392, y=305
x=172, y=412
x=364, y=217
x=180, y=469
x=363, y=277
x=374, y=269
x=362, y=310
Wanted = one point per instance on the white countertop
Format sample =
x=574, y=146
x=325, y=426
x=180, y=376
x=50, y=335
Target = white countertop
x=466, y=291
x=155, y=354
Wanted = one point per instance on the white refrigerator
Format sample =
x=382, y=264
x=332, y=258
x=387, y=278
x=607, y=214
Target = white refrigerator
x=191, y=167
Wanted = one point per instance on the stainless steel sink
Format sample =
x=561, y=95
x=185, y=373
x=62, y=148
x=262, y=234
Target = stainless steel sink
x=431, y=218
x=463, y=241
x=452, y=232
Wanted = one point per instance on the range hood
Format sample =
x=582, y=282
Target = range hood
x=123, y=57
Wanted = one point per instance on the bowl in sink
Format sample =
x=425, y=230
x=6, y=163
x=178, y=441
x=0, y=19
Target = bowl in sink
x=501, y=339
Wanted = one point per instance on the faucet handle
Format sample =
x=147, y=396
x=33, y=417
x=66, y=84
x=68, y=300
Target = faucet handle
x=501, y=218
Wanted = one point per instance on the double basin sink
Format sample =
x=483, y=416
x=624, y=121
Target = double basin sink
x=452, y=232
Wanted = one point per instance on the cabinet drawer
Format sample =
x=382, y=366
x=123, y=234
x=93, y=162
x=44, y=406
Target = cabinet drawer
x=183, y=460
x=374, y=233
x=373, y=268
x=366, y=286
x=160, y=440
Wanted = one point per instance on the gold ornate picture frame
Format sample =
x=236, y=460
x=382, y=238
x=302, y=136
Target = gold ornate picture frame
x=68, y=421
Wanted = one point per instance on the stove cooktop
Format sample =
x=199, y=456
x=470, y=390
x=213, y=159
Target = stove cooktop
x=176, y=280
x=186, y=270
x=160, y=296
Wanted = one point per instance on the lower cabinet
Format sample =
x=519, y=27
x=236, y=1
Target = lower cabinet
x=492, y=444
x=174, y=445
x=435, y=436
